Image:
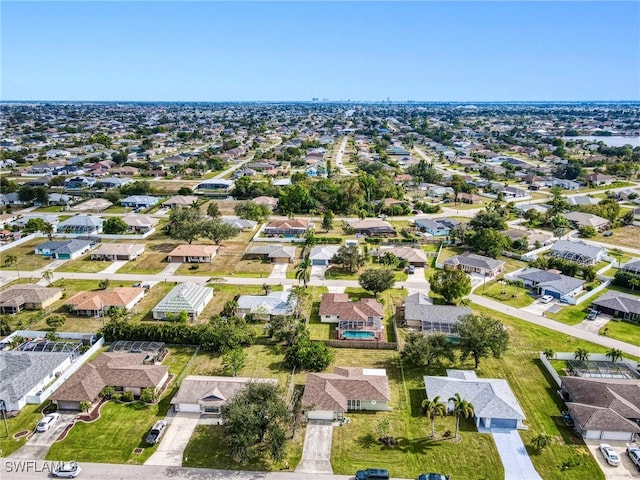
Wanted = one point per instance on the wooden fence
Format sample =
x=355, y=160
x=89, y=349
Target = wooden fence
x=364, y=344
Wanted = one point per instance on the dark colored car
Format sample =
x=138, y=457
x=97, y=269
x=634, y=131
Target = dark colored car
x=433, y=476
x=372, y=474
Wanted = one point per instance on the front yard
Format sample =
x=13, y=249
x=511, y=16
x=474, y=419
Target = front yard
x=26, y=259
x=27, y=419
x=83, y=265
x=509, y=294
x=623, y=331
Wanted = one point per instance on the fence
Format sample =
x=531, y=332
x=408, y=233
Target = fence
x=24, y=239
x=107, y=236
x=439, y=265
x=364, y=344
x=590, y=294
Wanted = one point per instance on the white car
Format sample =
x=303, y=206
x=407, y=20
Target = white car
x=47, y=421
x=67, y=470
x=609, y=454
x=546, y=299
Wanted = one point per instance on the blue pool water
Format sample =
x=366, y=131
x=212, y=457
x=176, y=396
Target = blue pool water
x=358, y=335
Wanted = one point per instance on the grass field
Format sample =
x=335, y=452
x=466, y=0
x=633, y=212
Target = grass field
x=623, y=237
x=505, y=294
x=27, y=419
x=623, y=331
x=84, y=265
x=26, y=259
x=149, y=263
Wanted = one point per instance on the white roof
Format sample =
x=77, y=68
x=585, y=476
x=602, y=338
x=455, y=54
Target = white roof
x=187, y=296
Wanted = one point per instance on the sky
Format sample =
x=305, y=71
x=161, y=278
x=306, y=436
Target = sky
x=295, y=51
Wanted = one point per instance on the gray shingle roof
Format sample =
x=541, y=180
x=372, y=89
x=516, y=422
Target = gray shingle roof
x=323, y=252
x=276, y=303
x=556, y=281
x=576, y=248
x=474, y=260
x=212, y=390
x=273, y=251
x=419, y=307
x=621, y=302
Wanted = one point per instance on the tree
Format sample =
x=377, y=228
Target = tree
x=349, y=257
x=55, y=321
x=541, y=441
x=104, y=284
x=479, y=336
x=252, y=211
x=489, y=241
x=376, y=280
x=10, y=261
x=614, y=354
x=185, y=191
x=433, y=408
x=558, y=202
x=549, y=353
x=38, y=225
x=256, y=418
x=327, y=220
x=581, y=354
x=451, y=284
x=233, y=361
x=114, y=226
x=218, y=231
x=488, y=219
x=302, y=271
x=308, y=355
x=47, y=276
x=185, y=224
x=424, y=351
x=85, y=405
x=213, y=210
x=389, y=259
x=461, y=408
x=587, y=231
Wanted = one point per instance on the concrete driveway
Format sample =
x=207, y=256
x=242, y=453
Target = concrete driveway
x=174, y=440
x=416, y=282
x=38, y=445
x=317, y=271
x=538, y=308
x=514, y=456
x=113, y=267
x=279, y=270
x=316, y=453
x=594, y=325
x=626, y=469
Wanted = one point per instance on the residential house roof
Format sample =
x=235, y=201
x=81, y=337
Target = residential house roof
x=411, y=255
x=119, y=249
x=273, y=251
x=143, y=199
x=186, y=296
x=419, y=306
x=134, y=220
x=586, y=219
x=239, y=223
x=545, y=278
x=271, y=202
x=474, y=260
x=576, y=248
x=276, y=303
x=194, y=251
x=17, y=295
x=81, y=221
x=491, y=397
x=621, y=302
x=288, y=224
x=632, y=266
x=370, y=224
x=436, y=223
x=330, y=391
x=323, y=252
x=65, y=246
x=97, y=300
x=338, y=304
x=213, y=391
x=183, y=200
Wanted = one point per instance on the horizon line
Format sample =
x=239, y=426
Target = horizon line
x=324, y=101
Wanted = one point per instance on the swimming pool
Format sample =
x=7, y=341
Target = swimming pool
x=358, y=335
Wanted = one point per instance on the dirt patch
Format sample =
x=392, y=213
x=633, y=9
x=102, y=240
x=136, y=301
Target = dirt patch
x=65, y=432
x=22, y=433
x=94, y=414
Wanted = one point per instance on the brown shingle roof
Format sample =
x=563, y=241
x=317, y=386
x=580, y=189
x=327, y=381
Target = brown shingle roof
x=194, y=251
x=338, y=304
x=293, y=223
x=17, y=295
x=97, y=299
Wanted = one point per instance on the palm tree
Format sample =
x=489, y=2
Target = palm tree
x=47, y=276
x=540, y=442
x=432, y=408
x=634, y=281
x=615, y=354
x=10, y=261
x=461, y=408
x=549, y=353
x=302, y=272
x=581, y=354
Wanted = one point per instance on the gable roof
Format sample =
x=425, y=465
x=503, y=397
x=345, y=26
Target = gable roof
x=330, y=391
x=81, y=221
x=576, y=248
x=323, y=252
x=419, y=307
x=544, y=278
x=194, y=251
x=408, y=253
x=118, y=249
x=587, y=219
x=491, y=397
x=370, y=224
x=273, y=251
x=65, y=246
x=213, y=390
x=338, y=304
x=184, y=200
x=288, y=224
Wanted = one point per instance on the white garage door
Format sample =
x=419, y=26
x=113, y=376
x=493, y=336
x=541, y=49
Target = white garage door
x=320, y=415
x=188, y=407
x=624, y=436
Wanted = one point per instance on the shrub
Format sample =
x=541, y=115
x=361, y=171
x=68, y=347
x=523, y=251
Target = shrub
x=127, y=397
x=148, y=395
x=107, y=392
x=116, y=396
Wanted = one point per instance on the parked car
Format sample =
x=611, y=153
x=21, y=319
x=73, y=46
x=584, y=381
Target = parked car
x=411, y=269
x=609, y=454
x=546, y=299
x=372, y=474
x=634, y=455
x=432, y=476
x=156, y=432
x=67, y=470
x=592, y=314
x=47, y=421
x=608, y=233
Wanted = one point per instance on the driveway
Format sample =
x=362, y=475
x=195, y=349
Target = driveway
x=594, y=325
x=516, y=461
x=317, y=271
x=416, y=282
x=316, y=453
x=626, y=469
x=170, y=269
x=279, y=270
x=174, y=440
x=538, y=308
x=115, y=266
x=38, y=445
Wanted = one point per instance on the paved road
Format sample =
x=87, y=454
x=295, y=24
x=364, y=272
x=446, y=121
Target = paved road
x=339, y=164
x=557, y=326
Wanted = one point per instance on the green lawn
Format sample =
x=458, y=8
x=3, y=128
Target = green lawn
x=83, y=265
x=623, y=331
x=149, y=263
x=574, y=314
x=26, y=259
x=505, y=294
x=27, y=419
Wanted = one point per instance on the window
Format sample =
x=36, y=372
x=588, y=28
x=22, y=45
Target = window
x=211, y=409
x=353, y=405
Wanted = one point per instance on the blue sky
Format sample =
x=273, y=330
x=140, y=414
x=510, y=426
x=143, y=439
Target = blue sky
x=219, y=51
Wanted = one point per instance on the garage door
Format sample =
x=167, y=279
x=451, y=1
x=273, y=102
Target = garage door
x=503, y=423
x=318, y=262
x=68, y=405
x=320, y=415
x=188, y=407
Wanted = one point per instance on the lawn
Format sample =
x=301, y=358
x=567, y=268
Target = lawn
x=574, y=314
x=26, y=259
x=149, y=263
x=623, y=331
x=623, y=236
x=83, y=265
x=505, y=294
x=27, y=419
x=448, y=252
x=223, y=292
x=121, y=427
x=142, y=311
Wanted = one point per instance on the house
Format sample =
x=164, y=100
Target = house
x=270, y=202
x=514, y=192
x=64, y=249
x=495, y=405
x=547, y=282
x=472, y=263
x=419, y=311
x=207, y=395
x=61, y=199
x=28, y=296
x=187, y=297
x=215, y=187
x=437, y=227
x=328, y=396
x=139, y=201
x=274, y=253
x=582, y=200
x=360, y=320
x=50, y=219
x=323, y=254
x=564, y=183
x=117, y=251
x=125, y=372
x=578, y=252
x=603, y=408
x=371, y=227
x=192, y=254
x=287, y=228
x=599, y=179
x=632, y=266
x=414, y=256
x=180, y=201
x=79, y=182
x=112, y=182
x=95, y=302
x=533, y=238
x=266, y=307
x=580, y=219
x=240, y=223
x=619, y=305
x=81, y=224
x=137, y=223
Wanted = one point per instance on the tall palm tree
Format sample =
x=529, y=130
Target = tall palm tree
x=10, y=261
x=581, y=354
x=461, y=408
x=614, y=354
x=47, y=276
x=432, y=408
x=302, y=272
